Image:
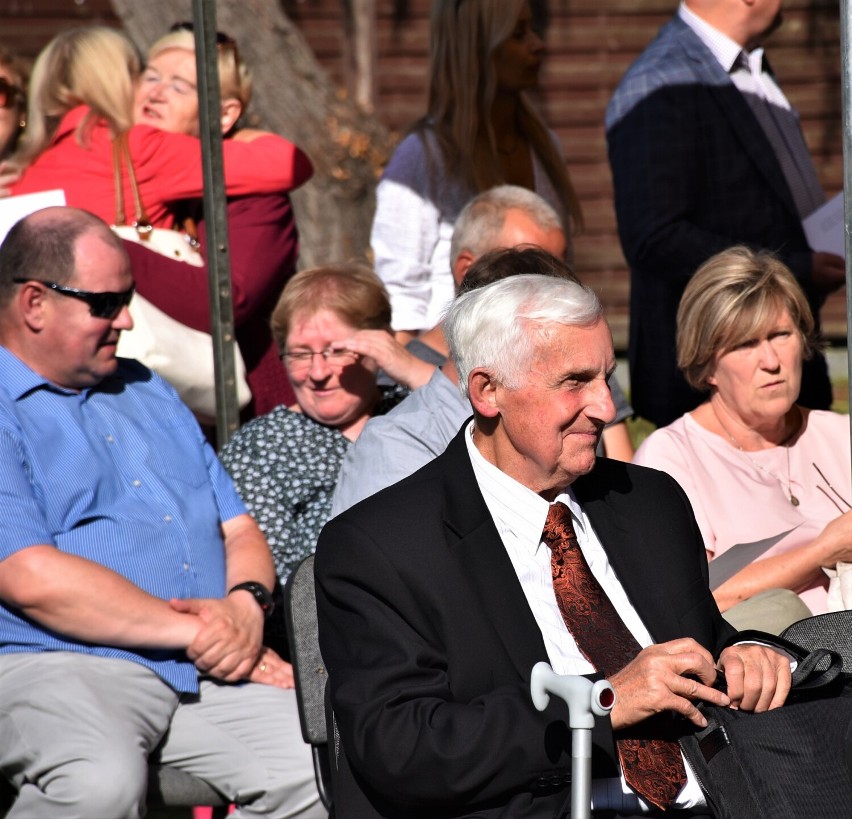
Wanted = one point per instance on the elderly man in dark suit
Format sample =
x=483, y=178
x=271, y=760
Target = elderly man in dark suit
x=706, y=152
x=437, y=595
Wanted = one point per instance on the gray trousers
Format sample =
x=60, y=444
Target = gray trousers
x=76, y=733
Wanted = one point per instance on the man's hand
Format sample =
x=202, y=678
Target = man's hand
x=229, y=641
x=758, y=677
x=828, y=272
x=665, y=677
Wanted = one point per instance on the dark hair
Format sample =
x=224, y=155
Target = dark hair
x=502, y=263
x=42, y=246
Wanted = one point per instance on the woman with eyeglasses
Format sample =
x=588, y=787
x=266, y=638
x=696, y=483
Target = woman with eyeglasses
x=81, y=97
x=332, y=326
x=480, y=131
x=757, y=467
x=13, y=101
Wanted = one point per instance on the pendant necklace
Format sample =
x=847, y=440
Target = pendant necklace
x=794, y=501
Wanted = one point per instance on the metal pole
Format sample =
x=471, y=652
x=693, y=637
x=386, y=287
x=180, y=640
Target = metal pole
x=216, y=221
x=847, y=180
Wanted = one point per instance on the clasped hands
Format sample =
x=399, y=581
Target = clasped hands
x=674, y=676
x=229, y=642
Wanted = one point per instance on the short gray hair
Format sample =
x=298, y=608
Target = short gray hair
x=499, y=326
x=481, y=221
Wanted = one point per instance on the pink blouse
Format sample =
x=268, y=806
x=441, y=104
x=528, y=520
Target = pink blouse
x=743, y=497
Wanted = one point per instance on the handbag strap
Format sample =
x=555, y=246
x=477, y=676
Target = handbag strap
x=121, y=151
x=814, y=668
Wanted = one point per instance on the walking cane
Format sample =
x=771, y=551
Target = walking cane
x=585, y=700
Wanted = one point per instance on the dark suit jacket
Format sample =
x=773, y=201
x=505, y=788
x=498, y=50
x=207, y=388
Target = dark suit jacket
x=429, y=640
x=693, y=174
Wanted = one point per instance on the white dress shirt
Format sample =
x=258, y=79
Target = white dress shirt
x=519, y=515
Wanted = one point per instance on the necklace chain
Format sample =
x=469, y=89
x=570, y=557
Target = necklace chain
x=785, y=443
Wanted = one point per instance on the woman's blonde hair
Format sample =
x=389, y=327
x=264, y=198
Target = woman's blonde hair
x=462, y=86
x=95, y=66
x=235, y=80
x=355, y=294
x=735, y=296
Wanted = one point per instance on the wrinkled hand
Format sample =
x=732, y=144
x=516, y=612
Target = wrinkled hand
x=834, y=543
x=401, y=365
x=656, y=680
x=9, y=175
x=270, y=669
x=828, y=271
x=758, y=677
x=229, y=641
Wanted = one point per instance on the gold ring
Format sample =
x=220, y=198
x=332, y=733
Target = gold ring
x=263, y=667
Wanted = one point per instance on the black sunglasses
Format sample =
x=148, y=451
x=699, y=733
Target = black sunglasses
x=221, y=39
x=10, y=95
x=101, y=305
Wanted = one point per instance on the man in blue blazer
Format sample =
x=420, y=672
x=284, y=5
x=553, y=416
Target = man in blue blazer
x=698, y=165
x=435, y=596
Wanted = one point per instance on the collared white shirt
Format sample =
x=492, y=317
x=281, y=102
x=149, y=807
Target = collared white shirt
x=519, y=515
x=752, y=79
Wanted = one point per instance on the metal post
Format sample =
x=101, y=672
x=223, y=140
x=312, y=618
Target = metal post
x=847, y=179
x=216, y=221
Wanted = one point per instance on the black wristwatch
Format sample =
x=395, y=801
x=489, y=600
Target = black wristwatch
x=260, y=593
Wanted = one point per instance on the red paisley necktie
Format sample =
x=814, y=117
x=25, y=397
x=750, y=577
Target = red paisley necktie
x=652, y=767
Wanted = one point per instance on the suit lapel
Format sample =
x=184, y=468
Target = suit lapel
x=734, y=108
x=622, y=530
x=476, y=543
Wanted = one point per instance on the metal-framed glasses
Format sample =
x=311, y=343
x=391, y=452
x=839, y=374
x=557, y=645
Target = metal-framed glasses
x=301, y=359
x=222, y=40
x=105, y=305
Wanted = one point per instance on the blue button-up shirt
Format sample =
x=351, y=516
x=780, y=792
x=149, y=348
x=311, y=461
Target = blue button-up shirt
x=119, y=474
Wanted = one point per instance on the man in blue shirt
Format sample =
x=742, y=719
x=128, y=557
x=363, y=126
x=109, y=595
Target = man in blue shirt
x=133, y=584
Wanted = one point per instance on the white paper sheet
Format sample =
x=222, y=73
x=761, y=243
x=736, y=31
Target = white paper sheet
x=15, y=208
x=824, y=227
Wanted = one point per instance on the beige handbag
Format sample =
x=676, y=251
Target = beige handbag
x=180, y=354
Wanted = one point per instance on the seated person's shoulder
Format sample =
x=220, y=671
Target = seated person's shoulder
x=629, y=479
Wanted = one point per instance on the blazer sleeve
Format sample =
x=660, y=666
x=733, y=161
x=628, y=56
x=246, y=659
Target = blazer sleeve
x=404, y=731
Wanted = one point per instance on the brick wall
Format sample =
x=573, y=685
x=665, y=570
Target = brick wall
x=590, y=44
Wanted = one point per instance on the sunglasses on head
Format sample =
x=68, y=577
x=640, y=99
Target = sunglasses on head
x=221, y=39
x=10, y=95
x=105, y=305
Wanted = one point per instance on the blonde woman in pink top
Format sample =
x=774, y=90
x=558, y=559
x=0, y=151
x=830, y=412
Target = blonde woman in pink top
x=756, y=465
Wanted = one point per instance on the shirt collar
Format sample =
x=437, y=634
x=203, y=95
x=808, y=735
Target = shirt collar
x=726, y=51
x=513, y=505
x=17, y=379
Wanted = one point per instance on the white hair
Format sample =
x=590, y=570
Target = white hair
x=499, y=327
x=480, y=223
